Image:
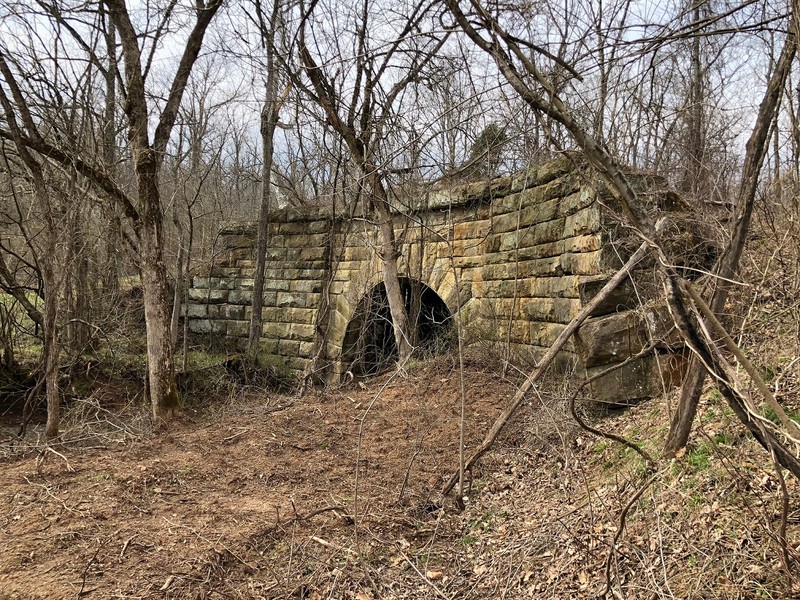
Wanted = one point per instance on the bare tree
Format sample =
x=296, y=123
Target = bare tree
x=380, y=72
x=270, y=113
x=143, y=209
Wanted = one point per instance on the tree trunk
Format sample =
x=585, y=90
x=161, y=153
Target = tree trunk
x=269, y=121
x=729, y=262
x=390, y=254
x=50, y=354
x=160, y=369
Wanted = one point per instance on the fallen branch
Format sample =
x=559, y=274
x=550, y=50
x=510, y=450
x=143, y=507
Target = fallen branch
x=759, y=382
x=551, y=354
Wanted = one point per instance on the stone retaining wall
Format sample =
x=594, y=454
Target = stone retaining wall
x=528, y=251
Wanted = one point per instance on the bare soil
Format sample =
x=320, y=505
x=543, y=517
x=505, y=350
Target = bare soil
x=336, y=496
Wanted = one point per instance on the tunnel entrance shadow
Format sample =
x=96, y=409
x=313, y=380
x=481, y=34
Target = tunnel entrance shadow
x=369, y=345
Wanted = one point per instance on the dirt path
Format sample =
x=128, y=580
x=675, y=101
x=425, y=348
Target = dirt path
x=193, y=513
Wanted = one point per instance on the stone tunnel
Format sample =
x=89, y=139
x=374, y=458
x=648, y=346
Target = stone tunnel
x=528, y=251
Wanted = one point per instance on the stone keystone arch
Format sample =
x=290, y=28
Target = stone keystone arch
x=529, y=250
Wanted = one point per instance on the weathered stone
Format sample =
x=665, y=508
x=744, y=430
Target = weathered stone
x=622, y=298
x=291, y=300
x=196, y=311
x=240, y=297
x=238, y=328
x=208, y=326
x=208, y=295
x=276, y=285
x=306, y=285
x=645, y=377
x=584, y=263
x=582, y=222
x=557, y=310
x=246, y=284
x=234, y=311
x=275, y=330
x=609, y=339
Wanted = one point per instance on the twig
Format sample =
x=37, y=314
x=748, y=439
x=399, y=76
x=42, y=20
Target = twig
x=43, y=455
x=340, y=510
x=125, y=545
x=331, y=545
x=433, y=586
x=611, y=436
x=83, y=592
x=620, y=527
x=235, y=435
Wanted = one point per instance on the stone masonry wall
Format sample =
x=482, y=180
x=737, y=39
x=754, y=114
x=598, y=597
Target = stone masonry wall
x=528, y=251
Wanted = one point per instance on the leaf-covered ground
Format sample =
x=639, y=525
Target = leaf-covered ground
x=336, y=496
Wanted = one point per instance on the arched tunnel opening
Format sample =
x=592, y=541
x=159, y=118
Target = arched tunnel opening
x=369, y=345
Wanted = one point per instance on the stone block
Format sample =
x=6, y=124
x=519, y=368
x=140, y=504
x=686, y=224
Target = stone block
x=583, y=243
x=234, y=311
x=208, y=326
x=208, y=296
x=646, y=377
x=555, y=287
x=196, y=311
x=200, y=326
x=270, y=298
x=246, y=284
x=621, y=299
x=583, y=263
x=240, y=297
x=268, y=346
x=611, y=338
x=304, y=227
x=200, y=283
x=274, y=253
x=226, y=283
x=275, y=330
x=583, y=222
x=305, y=240
x=541, y=333
x=302, y=332
x=556, y=310
x=291, y=300
x=577, y=201
x=276, y=285
x=288, y=347
x=471, y=230
x=238, y=328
